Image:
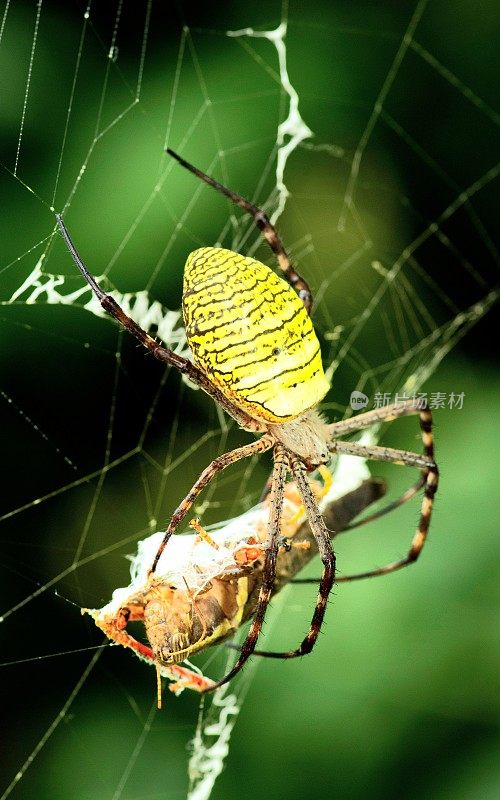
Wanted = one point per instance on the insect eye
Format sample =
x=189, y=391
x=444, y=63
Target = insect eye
x=276, y=351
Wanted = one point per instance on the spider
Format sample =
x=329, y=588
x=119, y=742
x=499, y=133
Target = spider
x=255, y=352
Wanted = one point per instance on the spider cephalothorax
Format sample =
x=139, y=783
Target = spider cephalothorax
x=256, y=353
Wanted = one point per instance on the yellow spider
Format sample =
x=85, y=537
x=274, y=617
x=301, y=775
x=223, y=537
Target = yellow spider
x=256, y=353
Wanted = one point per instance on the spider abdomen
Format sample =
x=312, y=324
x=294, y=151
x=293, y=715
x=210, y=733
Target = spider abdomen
x=251, y=335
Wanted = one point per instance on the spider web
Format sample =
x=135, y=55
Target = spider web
x=348, y=127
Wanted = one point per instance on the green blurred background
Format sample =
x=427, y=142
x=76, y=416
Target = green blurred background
x=400, y=698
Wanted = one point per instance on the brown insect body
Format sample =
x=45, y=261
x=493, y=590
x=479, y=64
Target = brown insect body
x=180, y=622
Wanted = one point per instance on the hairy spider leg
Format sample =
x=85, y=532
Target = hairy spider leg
x=263, y=222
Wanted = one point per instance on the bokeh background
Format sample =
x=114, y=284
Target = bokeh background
x=400, y=698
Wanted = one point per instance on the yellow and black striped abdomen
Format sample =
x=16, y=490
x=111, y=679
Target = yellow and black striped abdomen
x=251, y=335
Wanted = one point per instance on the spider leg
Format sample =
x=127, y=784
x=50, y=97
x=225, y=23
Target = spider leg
x=387, y=414
x=399, y=501
x=218, y=464
x=111, y=306
x=403, y=498
x=264, y=224
x=327, y=555
x=163, y=354
x=375, y=452
x=431, y=476
x=430, y=472
x=382, y=414
x=269, y=570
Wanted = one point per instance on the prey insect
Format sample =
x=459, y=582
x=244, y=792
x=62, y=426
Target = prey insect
x=255, y=352
x=209, y=584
